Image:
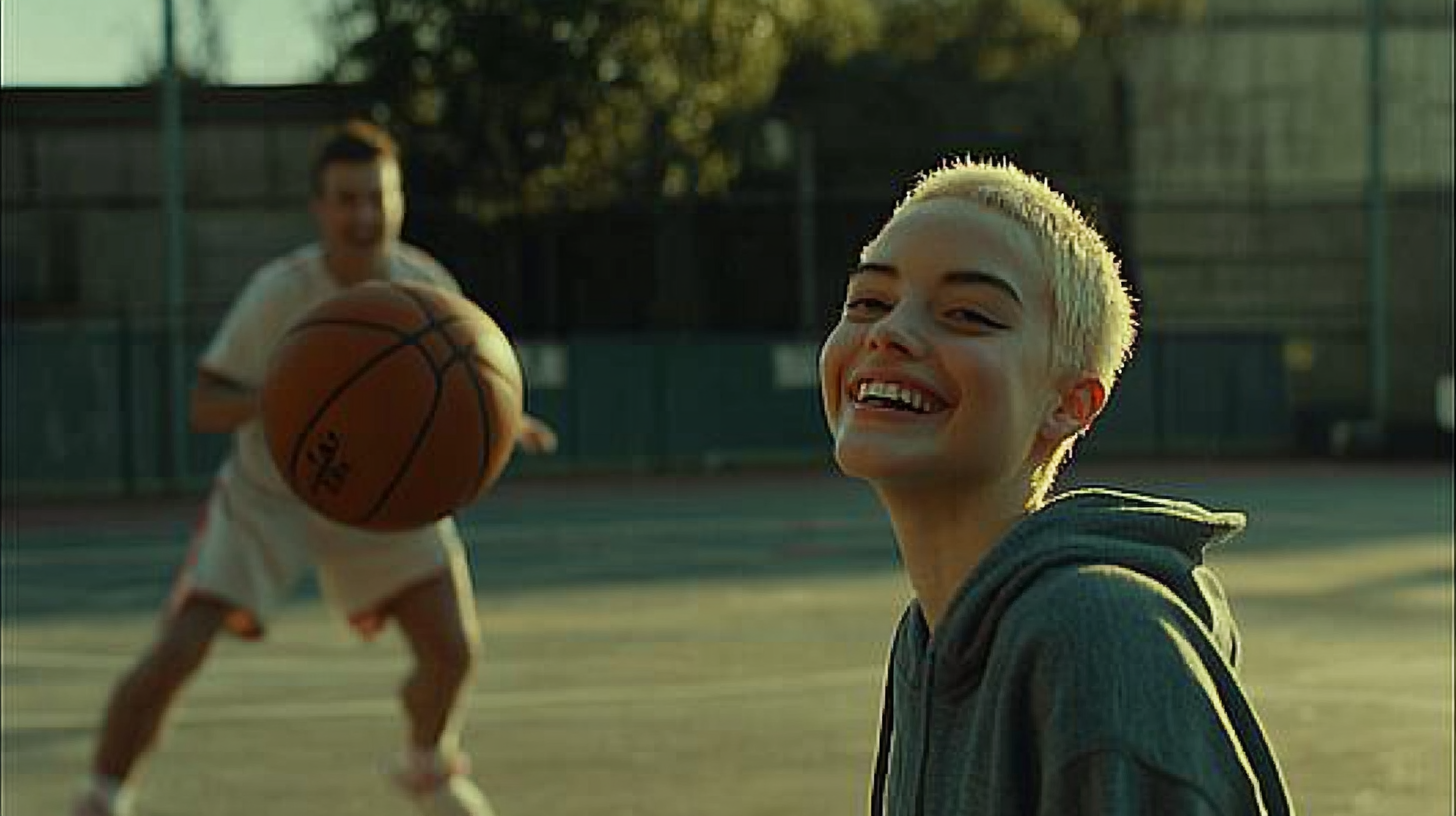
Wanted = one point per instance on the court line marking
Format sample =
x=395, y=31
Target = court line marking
x=387, y=706
x=112, y=662
x=1321, y=674
x=1324, y=694
x=39, y=552
x=597, y=697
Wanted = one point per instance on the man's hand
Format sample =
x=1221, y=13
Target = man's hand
x=220, y=404
x=535, y=436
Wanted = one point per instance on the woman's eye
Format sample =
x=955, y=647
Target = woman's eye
x=863, y=305
x=975, y=317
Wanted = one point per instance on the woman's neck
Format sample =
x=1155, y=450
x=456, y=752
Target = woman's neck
x=944, y=534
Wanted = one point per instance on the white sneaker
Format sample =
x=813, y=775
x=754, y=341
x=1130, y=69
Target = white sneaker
x=445, y=790
x=96, y=803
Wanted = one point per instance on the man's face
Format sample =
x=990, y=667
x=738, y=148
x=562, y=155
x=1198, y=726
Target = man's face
x=939, y=367
x=359, y=207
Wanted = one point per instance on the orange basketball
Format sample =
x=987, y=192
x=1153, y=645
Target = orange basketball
x=392, y=405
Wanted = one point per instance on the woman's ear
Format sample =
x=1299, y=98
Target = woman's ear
x=1079, y=404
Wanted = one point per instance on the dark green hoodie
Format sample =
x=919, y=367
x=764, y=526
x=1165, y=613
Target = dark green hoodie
x=1087, y=666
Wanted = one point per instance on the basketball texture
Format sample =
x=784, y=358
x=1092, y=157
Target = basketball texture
x=392, y=405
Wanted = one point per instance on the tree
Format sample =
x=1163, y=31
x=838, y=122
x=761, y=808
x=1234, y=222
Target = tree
x=1001, y=39
x=528, y=105
x=974, y=75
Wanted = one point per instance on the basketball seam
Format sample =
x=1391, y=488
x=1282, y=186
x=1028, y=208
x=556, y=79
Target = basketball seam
x=419, y=302
x=429, y=315
x=333, y=397
x=458, y=354
x=486, y=432
x=405, y=339
x=350, y=323
x=419, y=440
x=432, y=323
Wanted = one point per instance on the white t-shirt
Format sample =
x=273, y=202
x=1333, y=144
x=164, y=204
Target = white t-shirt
x=273, y=300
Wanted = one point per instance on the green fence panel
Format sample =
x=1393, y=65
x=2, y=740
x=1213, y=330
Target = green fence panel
x=151, y=410
x=615, y=389
x=64, y=407
x=86, y=406
x=1130, y=424
x=1223, y=395
x=724, y=400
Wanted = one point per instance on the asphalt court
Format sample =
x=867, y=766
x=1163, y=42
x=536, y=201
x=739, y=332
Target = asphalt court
x=710, y=645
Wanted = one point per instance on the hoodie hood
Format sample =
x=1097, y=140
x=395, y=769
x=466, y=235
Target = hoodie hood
x=1162, y=539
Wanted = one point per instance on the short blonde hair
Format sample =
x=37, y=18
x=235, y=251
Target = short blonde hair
x=1093, y=327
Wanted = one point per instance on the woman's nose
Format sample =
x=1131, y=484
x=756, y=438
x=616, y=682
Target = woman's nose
x=894, y=332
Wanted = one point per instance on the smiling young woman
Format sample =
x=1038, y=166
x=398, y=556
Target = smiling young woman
x=1063, y=655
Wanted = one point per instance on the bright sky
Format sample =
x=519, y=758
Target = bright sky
x=109, y=42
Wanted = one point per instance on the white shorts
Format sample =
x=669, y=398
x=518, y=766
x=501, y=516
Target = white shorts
x=252, y=547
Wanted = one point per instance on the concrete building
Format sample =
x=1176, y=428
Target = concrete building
x=1251, y=133
x=81, y=185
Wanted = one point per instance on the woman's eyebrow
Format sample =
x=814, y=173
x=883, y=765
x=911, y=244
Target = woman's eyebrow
x=975, y=277
x=876, y=268
x=962, y=277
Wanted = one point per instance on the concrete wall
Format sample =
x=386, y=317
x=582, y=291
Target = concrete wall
x=1245, y=110
x=1250, y=133
x=81, y=184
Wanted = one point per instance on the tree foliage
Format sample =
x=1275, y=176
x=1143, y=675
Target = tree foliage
x=999, y=39
x=528, y=105
x=1038, y=80
x=536, y=104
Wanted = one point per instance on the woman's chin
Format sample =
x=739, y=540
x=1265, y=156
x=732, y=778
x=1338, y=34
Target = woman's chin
x=876, y=463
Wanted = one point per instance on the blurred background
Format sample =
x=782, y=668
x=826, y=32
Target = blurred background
x=686, y=609
x=659, y=200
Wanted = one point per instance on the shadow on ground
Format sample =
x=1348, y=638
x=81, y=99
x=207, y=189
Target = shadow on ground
x=544, y=534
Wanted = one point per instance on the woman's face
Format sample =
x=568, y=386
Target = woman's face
x=939, y=368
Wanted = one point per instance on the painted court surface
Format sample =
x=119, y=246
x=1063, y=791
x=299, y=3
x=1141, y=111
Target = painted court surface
x=704, y=646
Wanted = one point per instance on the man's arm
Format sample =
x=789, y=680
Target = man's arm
x=535, y=436
x=220, y=404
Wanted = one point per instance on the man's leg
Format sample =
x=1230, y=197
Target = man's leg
x=437, y=618
x=141, y=698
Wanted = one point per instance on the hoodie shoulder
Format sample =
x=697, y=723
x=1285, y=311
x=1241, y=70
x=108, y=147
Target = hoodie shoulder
x=1115, y=663
x=1130, y=663
x=1096, y=603
x=1092, y=549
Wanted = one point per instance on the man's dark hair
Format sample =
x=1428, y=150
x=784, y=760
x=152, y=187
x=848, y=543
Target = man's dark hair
x=353, y=141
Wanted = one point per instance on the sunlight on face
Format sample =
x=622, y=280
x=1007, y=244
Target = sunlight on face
x=939, y=366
